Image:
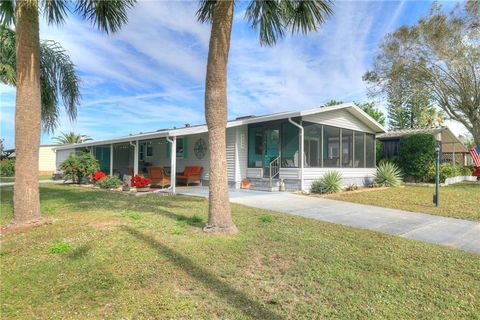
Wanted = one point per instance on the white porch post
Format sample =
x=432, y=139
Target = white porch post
x=173, y=163
x=135, y=159
x=302, y=155
x=111, y=159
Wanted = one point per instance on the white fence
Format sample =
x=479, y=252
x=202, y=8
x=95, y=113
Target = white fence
x=458, y=179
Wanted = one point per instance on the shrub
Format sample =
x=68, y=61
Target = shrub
x=465, y=171
x=7, y=167
x=388, y=175
x=78, y=166
x=416, y=154
x=98, y=175
x=379, y=151
x=331, y=182
x=447, y=170
x=140, y=182
x=109, y=182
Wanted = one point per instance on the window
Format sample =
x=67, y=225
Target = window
x=331, y=147
x=313, y=136
x=255, y=147
x=180, y=148
x=149, y=149
x=141, y=152
x=359, y=150
x=290, y=145
x=347, y=148
x=370, y=150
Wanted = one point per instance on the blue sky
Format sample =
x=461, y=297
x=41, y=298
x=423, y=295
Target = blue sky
x=151, y=74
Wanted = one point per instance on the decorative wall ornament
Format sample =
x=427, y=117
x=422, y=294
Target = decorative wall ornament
x=200, y=148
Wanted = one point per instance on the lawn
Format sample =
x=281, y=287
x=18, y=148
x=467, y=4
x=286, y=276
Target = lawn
x=12, y=179
x=459, y=200
x=114, y=256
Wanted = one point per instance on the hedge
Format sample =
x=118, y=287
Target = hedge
x=416, y=155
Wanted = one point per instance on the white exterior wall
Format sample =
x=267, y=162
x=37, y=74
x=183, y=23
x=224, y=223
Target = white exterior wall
x=46, y=159
x=61, y=155
x=339, y=118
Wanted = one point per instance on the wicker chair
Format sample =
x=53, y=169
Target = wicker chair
x=158, y=176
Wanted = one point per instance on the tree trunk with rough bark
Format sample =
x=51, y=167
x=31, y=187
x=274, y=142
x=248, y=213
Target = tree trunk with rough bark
x=219, y=215
x=27, y=114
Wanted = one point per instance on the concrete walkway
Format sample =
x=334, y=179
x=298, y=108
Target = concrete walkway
x=456, y=233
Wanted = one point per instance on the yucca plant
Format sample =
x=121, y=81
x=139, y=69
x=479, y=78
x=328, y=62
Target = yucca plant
x=388, y=174
x=331, y=182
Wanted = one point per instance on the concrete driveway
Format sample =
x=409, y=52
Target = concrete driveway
x=456, y=233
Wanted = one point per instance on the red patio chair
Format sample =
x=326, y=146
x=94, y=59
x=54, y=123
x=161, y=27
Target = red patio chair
x=190, y=175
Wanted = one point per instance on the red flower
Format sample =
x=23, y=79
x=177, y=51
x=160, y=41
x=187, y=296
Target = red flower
x=98, y=175
x=140, y=182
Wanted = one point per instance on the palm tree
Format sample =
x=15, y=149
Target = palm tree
x=71, y=137
x=57, y=74
x=108, y=16
x=273, y=19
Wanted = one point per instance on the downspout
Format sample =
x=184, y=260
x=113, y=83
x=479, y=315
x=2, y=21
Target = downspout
x=135, y=157
x=173, y=163
x=301, y=157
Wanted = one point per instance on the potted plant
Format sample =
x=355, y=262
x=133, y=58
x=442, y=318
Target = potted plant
x=141, y=183
x=245, y=184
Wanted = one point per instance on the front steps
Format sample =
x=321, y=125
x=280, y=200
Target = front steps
x=263, y=184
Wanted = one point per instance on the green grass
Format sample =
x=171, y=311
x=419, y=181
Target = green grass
x=12, y=179
x=59, y=247
x=163, y=266
x=459, y=200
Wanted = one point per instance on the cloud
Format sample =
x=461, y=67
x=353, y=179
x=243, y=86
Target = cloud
x=151, y=74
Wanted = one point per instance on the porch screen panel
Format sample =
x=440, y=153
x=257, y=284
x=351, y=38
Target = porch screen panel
x=347, y=148
x=123, y=159
x=370, y=150
x=312, y=148
x=102, y=154
x=255, y=147
x=359, y=161
x=331, y=147
x=290, y=145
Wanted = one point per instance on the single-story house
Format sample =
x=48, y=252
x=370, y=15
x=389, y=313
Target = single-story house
x=451, y=147
x=296, y=146
x=46, y=160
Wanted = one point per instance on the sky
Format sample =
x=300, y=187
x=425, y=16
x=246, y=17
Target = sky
x=151, y=74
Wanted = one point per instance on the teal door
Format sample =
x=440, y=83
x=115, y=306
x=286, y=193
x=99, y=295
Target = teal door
x=272, y=148
x=102, y=154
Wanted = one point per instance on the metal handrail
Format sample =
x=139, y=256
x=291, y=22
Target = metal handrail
x=275, y=166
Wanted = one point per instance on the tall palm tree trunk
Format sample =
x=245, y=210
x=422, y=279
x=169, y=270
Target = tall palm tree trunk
x=27, y=113
x=219, y=216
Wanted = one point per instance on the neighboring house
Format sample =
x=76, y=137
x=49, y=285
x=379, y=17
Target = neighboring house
x=46, y=160
x=261, y=148
x=452, y=146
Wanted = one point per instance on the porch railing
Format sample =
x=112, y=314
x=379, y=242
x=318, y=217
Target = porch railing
x=274, y=168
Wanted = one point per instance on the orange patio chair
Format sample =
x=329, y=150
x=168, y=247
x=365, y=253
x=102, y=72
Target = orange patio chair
x=191, y=175
x=158, y=176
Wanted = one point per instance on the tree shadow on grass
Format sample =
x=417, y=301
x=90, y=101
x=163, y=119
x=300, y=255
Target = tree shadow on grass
x=236, y=298
x=99, y=200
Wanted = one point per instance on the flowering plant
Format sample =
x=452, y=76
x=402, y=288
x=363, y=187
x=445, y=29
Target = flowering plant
x=140, y=182
x=98, y=175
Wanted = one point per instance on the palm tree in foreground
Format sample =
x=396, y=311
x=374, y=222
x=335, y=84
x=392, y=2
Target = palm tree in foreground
x=108, y=16
x=273, y=19
x=71, y=137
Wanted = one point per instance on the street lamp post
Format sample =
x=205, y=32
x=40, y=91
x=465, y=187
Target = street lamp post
x=436, y=196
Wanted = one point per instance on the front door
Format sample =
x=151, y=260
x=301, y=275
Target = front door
x=272, y=148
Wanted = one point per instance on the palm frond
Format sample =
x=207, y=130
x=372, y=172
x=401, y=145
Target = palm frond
x=71, y=137
x=274, y=18
x=108, y=16
x=54, y=11
x=269, y=17
x=7, y=56
x=205, y=10
x=58, y=79
x=7, y=12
